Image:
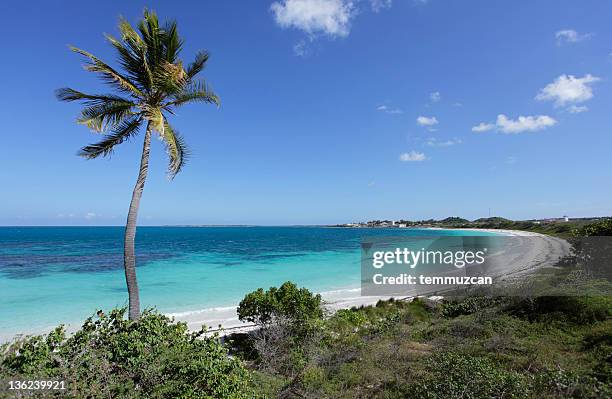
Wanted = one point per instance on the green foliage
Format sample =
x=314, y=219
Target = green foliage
x=601, y=228
x=113, y=357
x=476, y=347
x=468, y=305
x=575, y=309
x=298, y=305
x=151, y=84
x=453, y=375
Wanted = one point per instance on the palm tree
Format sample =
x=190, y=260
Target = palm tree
x=150, y=84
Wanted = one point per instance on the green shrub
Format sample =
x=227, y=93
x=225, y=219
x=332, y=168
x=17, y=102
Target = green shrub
x=289, y=302
x=468, y=305
x=352, y=317
x=562, y=384
x=601, y=228
x=451, y=375
x=575, y=309
x=113, y=357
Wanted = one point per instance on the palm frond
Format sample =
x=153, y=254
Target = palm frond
x=176, y=149
x=198, y=64
x=171, y=41
x=132, y=62
x=194, y=92
x=123, y=132
x=140, y=50
x=105, y=115
x=151, y=36
x=68, y=94
x=108, y=74
x=150, y=80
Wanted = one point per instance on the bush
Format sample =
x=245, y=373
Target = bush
x=468, y=305
x=113, y=357
x=288, y=302
x=562, y=384
x=601, y=228
x=575, y=309
x=451, y=375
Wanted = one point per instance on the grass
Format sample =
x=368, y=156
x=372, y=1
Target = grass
x=423, y=350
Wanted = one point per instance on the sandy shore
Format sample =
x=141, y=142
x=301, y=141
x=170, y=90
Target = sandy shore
x=525, y=252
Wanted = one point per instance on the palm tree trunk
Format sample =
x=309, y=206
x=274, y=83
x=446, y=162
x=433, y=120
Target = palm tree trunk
x=129, y=260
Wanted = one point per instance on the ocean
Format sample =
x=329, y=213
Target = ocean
x=55, y=275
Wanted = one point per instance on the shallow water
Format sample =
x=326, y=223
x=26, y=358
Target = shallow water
x=53, y=275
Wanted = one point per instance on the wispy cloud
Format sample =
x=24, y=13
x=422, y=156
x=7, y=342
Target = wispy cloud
x=412, y=156
x=329, y=17
x=483, y=127
x=389, y=110
x=568, y=89
x=434, y=142
x=427, y=121
x=378, y=5
x=576, y=109
x=571, y=36
x=301, y=48
x=435, y=96
x=91, y=215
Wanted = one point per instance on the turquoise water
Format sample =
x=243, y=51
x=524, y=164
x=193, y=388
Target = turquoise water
x=53, y=275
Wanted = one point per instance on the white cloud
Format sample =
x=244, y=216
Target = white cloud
x=91, y=215
x=524, y=123
x=435, y=97
x=301, y=48
x=567, y=89
x=433, y=142
x=483, y=127
x=330, y=17
x=427, y=121
x=519, y=125
x=378, y=5
x=412, y=156
x=576, y=109
x=570, y=36
x=389, y=110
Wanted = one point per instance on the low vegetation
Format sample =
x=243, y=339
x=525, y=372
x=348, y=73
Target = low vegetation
x=469, y=345
x=111, y=357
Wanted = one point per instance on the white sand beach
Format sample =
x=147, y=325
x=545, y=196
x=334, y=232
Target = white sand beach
x=526, y=252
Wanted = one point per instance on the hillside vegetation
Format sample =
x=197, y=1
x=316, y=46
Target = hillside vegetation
x=470, y=345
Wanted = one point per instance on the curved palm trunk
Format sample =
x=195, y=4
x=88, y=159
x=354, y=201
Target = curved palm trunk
x=129, y=260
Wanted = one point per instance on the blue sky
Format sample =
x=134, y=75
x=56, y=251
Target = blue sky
x=332, y=111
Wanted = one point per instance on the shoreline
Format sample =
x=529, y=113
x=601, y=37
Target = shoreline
x=544, y=251
x=539, y=253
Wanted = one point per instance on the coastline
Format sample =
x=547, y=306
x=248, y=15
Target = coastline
x=543, y=251
x=537, y=254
